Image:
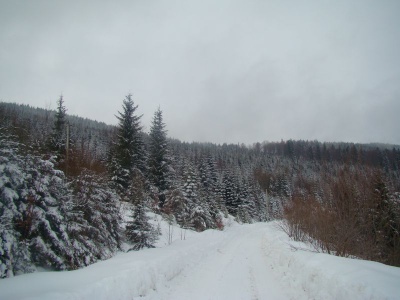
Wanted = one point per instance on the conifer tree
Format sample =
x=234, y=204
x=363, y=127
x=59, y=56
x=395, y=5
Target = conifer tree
x=177, y=203
x=128, y=152
x=34, y=211
x=230, y=193
x=58, y=138
x=139, y=231
x=198, y=208
x=158, y=160
x=15, y=257
x=95, y=207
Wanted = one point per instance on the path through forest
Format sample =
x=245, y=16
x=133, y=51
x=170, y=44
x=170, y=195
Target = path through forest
x=246, y=262
x=238, y=269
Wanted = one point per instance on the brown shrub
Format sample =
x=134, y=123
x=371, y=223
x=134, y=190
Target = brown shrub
x=356, y=217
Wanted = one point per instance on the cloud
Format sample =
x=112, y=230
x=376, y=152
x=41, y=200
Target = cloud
x=226, y=71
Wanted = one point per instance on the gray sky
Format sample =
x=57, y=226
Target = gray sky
x=221, y=71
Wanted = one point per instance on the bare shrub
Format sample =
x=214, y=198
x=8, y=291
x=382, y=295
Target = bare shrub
x=357, y=216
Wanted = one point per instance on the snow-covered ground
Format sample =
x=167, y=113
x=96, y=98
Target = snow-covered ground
x=242, y=262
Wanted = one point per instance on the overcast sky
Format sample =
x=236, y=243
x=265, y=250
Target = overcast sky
x=221, y=71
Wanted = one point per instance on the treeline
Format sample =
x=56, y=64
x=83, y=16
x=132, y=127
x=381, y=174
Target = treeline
x=321, y=189
x=382, y=156
x=342, y=198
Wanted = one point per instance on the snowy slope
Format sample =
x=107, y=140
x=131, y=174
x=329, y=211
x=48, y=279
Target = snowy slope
x=242, y=262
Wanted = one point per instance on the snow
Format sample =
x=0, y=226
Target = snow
x=255, y=261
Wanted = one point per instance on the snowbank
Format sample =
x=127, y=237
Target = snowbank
x=325, y=276
x=125, y=276
x=151, y=273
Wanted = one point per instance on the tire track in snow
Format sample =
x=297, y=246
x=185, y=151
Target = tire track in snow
x=237, y=268
x=253, y=283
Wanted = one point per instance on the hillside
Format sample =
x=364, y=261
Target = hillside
x=62, y=200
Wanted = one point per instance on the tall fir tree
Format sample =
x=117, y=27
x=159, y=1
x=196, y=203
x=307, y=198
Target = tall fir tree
x=128, y=153
x=58, y=138
x=158, y=160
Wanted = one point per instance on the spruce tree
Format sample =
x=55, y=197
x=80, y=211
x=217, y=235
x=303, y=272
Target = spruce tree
x=95, y=208
x=15, y=257
x=230, y=193
x=158, y=160
x=177, y=204
x=128, y=152
x=139, y=231
x=198, y=209
x=34, y=213
x=58, y=138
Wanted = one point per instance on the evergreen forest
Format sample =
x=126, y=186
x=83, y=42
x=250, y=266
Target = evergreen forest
x=65, y=182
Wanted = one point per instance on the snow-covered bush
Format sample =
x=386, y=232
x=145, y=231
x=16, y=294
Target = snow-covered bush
x=95, y=209
x=44, y=222
x=32, y=226
x=14, y=254
x=139, y=231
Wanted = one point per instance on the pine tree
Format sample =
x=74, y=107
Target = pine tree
x=198, y=208
x=385, y=218
x=15, y=257
x=58, y=138
x=177, y=204
x=210, y=188
x=246, y=210
x=158, y=160
x=95, y=207
x=230, y=194
x=139, y=231
x=33, y=211
x=128, y=151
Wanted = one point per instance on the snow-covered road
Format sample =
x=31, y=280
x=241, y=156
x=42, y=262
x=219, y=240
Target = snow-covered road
x=237, y=269
x=245, y=262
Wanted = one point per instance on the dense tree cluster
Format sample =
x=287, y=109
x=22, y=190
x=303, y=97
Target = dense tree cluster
x=47, y=222
x=62, y=179
x=57, y=209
